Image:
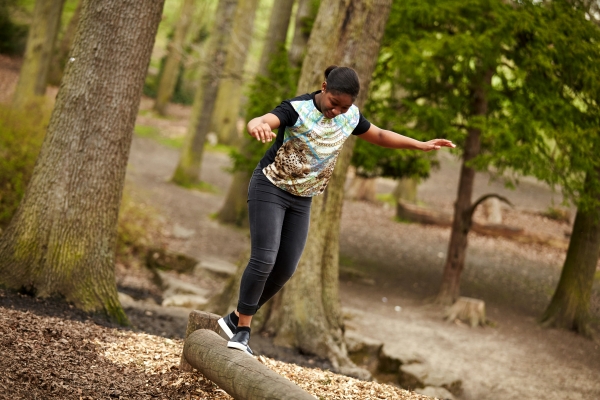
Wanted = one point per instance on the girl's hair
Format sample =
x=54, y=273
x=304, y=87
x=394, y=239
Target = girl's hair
x=342, y=80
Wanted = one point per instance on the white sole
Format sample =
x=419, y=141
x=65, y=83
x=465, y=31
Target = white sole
x=238, y=346
x=225, y=328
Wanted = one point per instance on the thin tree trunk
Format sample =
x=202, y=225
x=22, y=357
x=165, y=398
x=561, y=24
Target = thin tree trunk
x=38, y=53
x=61, y=52
x=278, y=28
x=457, y=248
x=62, y=239
x=235, y=210
x=227, y=107
x=187, y=171
x=175, y=51
x=406, y=190
x=309, y=316
x=570, y=305
x=302, y=24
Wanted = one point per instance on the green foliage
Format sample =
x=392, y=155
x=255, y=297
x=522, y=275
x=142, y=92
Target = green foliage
x=535, y=65
x=139, y=229
x=21, y=136
x=265, y=94
x=13, y=36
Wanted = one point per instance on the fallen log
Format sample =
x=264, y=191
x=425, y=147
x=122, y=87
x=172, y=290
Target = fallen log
x=237, y=373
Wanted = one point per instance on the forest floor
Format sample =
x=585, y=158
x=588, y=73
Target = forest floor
x=391, y=271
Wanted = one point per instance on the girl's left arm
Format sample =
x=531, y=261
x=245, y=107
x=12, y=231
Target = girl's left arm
x=393, y=140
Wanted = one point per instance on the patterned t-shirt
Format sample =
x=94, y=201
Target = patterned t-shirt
x=307, y=145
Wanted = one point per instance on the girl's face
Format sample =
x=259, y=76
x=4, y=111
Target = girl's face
x=333, y=105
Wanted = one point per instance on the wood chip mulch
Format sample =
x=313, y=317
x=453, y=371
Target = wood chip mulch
x=46, y=357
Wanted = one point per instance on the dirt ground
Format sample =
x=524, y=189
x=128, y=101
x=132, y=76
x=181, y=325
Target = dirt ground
x=403, y=263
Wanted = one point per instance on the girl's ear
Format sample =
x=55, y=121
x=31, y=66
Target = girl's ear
x=324, y=86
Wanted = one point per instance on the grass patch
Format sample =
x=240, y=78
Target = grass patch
x=386, y=198
x=201, y=187
x=153, y=133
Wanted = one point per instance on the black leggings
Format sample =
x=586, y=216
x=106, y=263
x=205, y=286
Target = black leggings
x=278, y=229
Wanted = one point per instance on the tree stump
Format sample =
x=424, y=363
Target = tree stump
x=198, y=320
x=468, y=310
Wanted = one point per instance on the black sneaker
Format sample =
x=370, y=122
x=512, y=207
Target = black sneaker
x=240, y=341
x=227, y=325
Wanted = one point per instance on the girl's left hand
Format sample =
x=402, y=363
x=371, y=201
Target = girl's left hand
x=436, y=144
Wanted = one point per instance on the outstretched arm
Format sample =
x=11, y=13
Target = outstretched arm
x=262, y=127
x=393, y=140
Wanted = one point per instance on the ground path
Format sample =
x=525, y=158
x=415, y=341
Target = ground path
x=516, y=359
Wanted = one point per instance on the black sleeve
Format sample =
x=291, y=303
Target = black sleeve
x=286, y=114
x=362, y=127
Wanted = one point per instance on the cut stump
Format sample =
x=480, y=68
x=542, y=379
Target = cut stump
x=468, y=310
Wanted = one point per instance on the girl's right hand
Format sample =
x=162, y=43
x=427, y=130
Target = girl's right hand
x=262, y=132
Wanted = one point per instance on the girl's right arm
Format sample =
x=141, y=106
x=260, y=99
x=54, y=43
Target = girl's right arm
x=262, y=127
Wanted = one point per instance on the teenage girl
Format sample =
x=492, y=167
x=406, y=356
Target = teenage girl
x=312, y=130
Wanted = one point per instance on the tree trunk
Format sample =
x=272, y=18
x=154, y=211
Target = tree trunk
x=570, y=305
x=38, y=53
x=61, y=52
x=175, y=51
x=362, y=189
x=457, y=248
x=187, y=172
x=406, y=190
x=278, y=28
x=303, y=21
x=227, y=107
x=308, y=314
x=62, y=239
x=235, y=209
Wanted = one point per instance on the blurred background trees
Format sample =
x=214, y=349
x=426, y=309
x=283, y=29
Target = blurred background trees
x=514, y=84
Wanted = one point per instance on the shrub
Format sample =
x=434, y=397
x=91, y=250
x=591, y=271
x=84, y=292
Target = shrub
x=21, y=136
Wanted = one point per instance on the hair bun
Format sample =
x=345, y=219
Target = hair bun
x=329, y=69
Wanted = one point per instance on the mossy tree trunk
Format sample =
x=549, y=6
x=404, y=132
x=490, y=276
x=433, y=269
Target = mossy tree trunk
x=175, y=51
x=308, y=314
x=62, y=239
x=235, y=209
x=227, y=107
x=570, y=305
x=187, y=172
x=62, y=48
x=38, y=53
x=305, y=14
x=461, y=224
x=406, y=190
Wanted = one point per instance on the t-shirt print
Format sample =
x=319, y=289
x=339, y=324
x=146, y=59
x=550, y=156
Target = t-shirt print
x=305, y=161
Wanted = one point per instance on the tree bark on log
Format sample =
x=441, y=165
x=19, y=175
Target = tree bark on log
x=234, y=371
x=198, y=320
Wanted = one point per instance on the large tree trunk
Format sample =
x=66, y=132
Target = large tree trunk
x=308, y=314
x=227, y=107
x=62, y=48
x=175, y=51
x=62, y=239
x=461, y=224
x=38, y=53
x=235, y=209
x=187, y=171
x=303, y=21
x=570, y=305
